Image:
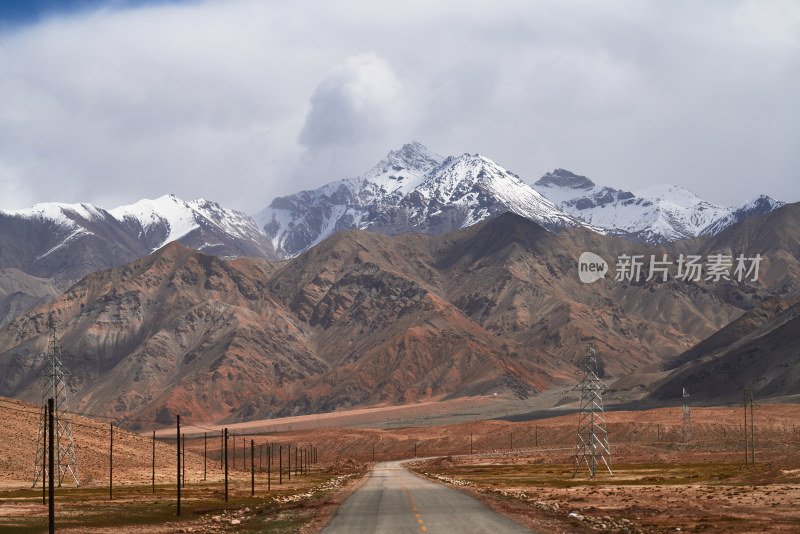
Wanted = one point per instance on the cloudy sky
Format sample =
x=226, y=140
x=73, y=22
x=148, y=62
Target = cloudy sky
x=240, y=101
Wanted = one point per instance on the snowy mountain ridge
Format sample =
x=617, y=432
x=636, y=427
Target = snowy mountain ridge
x=656, y=214
x=411, y=190
x=147, y=225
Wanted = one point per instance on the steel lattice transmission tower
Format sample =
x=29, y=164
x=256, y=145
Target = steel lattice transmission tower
x=687, y=417
x=64, y=446
x=592, y=446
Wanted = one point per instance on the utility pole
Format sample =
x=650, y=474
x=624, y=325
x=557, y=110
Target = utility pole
x=687, y=417
x=752, y=431
x=178, y=443
x=744, y=403
x=225, y=441
x=111, y=461
x=44, y=471
x=51, y=467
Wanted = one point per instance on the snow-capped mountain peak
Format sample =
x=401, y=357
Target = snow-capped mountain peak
x=168, y=210
x=60, y=213
x=139, y=228
x=411, y=190
x=756, y=206
x=655, y=214
x=400, y=172
x=169, y=218
x=565, y=179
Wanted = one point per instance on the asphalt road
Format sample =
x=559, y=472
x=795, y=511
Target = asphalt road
x=395, y=500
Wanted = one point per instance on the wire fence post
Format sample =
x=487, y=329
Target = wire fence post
x=289, y=461
x=178, y=446
x=280, y=464
x=183, y=464
x=205, y=455
x=269, y=468
x=154, y=462
x=252, y=470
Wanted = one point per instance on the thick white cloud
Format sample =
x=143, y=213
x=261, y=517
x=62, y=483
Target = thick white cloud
x=357, y=101
x=243, y=100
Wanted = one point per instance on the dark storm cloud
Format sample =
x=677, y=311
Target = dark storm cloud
x=240, y=101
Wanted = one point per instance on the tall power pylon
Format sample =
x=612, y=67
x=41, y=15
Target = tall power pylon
x=687, y=418
x=592, y=446
x=64, y=446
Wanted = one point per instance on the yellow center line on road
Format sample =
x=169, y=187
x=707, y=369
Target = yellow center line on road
x=422, y=527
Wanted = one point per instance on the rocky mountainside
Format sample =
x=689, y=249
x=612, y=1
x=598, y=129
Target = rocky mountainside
x=758, y=350
x=654, y=215
x=48, y=247
x=411, y=191
x=367, y=319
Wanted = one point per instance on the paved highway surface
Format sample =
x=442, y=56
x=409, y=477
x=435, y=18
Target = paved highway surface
x=395, y=500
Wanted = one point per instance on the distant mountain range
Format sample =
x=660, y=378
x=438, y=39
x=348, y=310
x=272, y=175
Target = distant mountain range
x=655, y=215
x=47, y=248
x=411, y=191
x=364, y=319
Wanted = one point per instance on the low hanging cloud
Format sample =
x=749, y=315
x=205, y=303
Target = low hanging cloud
x=361, y=98
x=358, y=106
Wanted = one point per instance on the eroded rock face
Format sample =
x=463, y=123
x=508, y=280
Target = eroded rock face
x=364, y=319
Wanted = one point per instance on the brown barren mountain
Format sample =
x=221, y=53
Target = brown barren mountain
x=758, y=350
x=361, y=319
